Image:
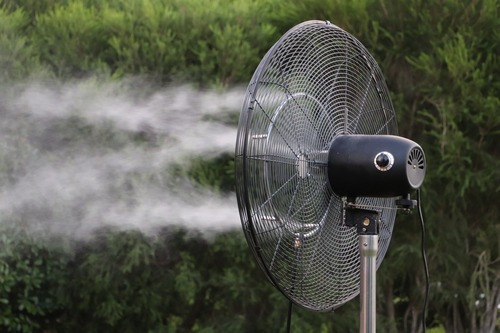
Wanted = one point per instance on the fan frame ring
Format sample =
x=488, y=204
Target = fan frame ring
x=250, y=104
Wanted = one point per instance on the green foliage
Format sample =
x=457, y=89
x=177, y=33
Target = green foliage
x=109, y=298
x=18, y=58
x=219, y=42
x=440, y=60
x=74, y=131
x=69, y=38
x=461, y=127
x=31, y=7
x=30, y=277
x=216, y=173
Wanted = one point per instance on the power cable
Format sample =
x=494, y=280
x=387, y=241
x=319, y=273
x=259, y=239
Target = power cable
x=424, y=258
x=289, y=319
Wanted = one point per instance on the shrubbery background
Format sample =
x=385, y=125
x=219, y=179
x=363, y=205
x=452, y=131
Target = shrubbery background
x=440, y=59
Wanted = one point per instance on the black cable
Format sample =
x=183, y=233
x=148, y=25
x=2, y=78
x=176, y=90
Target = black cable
x=289, y=320
x=424, y=258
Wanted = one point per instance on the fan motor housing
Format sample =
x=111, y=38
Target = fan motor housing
x=375, y=165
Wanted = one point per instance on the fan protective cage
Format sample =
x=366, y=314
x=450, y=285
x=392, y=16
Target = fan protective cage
x=316, y=82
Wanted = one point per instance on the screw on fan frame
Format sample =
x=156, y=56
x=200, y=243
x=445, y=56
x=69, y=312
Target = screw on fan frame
x=317, y=143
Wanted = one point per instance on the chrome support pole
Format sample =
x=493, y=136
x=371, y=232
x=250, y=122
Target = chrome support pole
x=368, y=248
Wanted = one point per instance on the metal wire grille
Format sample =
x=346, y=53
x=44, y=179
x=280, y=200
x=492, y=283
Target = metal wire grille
x=316, y=82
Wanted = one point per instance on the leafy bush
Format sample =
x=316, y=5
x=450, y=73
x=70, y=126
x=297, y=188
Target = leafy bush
x=69, y=39
x=440, y=60
x=116, y=284
x=219, y=42
x=18, y=58
x=31, y=277
x=215, y=173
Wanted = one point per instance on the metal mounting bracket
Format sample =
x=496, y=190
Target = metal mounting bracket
x=366, y=221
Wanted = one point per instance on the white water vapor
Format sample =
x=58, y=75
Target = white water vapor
x=78, y=156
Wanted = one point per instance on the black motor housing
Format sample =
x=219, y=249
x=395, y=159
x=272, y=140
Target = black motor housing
x=375, y=165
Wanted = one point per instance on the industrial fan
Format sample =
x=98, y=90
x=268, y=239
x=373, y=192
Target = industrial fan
x=320, y=170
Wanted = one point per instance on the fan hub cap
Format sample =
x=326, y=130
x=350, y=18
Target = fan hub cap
x=302, y=165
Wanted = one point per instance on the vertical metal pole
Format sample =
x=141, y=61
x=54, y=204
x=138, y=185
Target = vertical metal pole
x=368, y=248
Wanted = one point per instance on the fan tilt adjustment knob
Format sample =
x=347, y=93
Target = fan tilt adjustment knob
x=351, y=161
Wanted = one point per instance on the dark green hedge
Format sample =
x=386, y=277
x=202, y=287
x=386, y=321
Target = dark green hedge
x=440, y=59
x=217, y=42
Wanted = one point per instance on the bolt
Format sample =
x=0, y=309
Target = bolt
x=297, y=243
x=365, y=244
x=366, y=221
